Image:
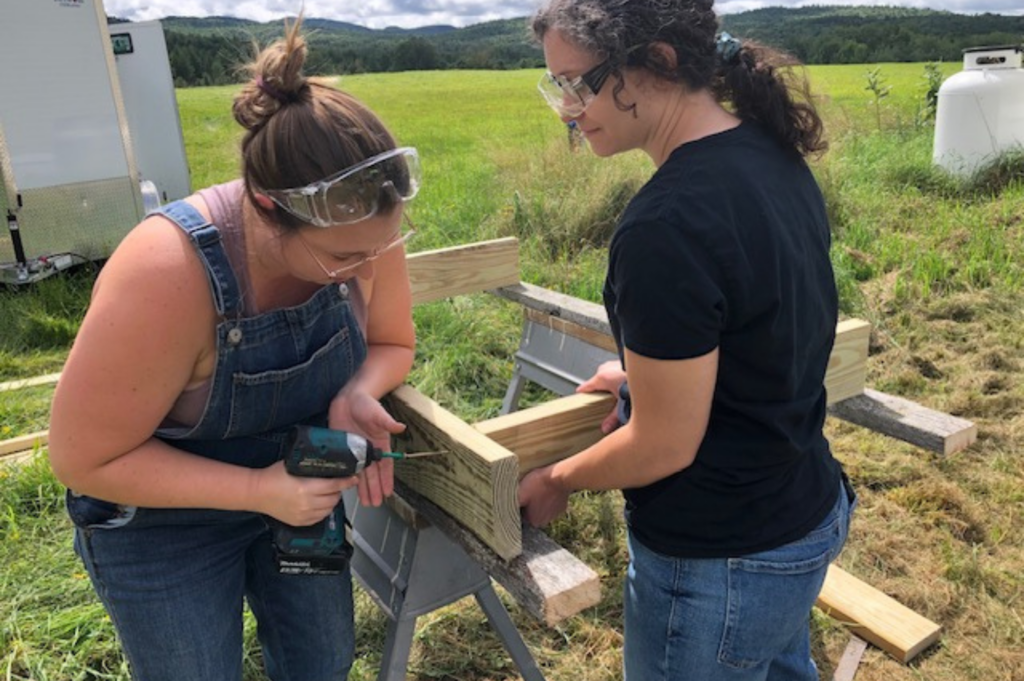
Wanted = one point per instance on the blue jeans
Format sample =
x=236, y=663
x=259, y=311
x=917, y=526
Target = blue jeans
x=177, y=606
x=729, y=619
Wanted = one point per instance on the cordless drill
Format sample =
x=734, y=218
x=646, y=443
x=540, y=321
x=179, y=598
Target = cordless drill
x=322, y=548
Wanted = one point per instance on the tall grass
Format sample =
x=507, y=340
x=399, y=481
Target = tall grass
x=933, y=263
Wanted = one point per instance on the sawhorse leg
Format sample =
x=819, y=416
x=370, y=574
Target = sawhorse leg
x=410, y=571
x=498, y=616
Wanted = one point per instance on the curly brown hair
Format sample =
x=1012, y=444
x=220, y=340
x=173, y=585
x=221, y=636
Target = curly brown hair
x=760, y=83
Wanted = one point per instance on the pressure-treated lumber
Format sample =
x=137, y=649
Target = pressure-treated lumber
x=475, y=480
x=847, y=365
x=551, y=431
x=876, y=617
x=29, y=382
x=463, y=269
x=544, y=579
x=907, y=421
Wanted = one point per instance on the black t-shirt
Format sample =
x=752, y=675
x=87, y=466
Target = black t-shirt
x=727, y=246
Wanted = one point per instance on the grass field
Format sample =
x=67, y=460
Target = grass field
x=935, y=265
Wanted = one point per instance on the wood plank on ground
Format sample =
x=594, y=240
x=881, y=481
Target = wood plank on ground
x=848, y=663
x=550, y=431
x=475, y=480
x=544, y=579
x=23, y=443
x=29, y=382
x=907, y=421
x=470, y=268
x=876, y=617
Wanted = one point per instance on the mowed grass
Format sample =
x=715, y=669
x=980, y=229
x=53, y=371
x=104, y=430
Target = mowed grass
x=934, y=264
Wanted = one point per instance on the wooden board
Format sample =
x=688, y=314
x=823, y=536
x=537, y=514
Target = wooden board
x=848, y=663
x=847, y=365
x=29, y=382
x=551, y=431
x=475, y=481
x=463, y=269
x=582, y=312
x=876, y=617
x=545, y=580
x=24, y=443
x=907, y=421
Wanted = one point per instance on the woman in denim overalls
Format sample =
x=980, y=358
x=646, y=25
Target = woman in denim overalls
x=278, y=299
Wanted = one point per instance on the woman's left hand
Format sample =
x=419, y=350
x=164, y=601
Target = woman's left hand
x=360, y=412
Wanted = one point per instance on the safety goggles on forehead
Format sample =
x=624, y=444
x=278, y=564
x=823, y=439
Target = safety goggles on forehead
x=377, y=184
x=570, y=98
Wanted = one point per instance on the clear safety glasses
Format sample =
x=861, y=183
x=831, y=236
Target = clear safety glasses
x=356, y=193
x=570, y=98
x=350, y=264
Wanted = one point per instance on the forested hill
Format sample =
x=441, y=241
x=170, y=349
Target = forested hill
x=858, y=35
x=207, y=51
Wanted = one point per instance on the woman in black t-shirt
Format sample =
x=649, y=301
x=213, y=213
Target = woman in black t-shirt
x=721, y=297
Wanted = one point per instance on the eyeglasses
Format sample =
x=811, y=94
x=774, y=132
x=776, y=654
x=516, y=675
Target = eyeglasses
x=358, y=261
x=570, y=98
x=356, y=193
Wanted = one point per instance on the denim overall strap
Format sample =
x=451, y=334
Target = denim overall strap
x=206, y=236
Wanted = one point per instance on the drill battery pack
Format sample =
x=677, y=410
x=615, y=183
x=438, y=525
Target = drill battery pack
x=329, y=564
x=321, y=549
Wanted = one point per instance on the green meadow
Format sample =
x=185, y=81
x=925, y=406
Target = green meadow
x=936, y=265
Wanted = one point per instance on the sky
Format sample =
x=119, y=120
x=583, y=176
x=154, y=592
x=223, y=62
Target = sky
x=414, y=13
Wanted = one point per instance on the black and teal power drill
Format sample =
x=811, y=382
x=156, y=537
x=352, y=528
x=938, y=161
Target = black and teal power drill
x=322, y=548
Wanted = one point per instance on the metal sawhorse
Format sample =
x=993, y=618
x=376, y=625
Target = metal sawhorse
x=555, y=360
x=410, y=568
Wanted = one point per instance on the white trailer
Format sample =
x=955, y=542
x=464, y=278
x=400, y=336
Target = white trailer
x=147, y=89
x=69, y=173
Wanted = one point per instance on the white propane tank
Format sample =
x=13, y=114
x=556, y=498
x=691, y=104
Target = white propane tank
x=980, y=110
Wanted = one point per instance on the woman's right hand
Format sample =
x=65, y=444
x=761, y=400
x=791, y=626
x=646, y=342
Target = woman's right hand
x=295, y=500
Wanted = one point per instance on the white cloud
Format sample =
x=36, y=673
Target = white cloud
x=412, y=13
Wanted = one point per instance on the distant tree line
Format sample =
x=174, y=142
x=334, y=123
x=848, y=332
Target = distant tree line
x=210, y=55
x=869, y=35
x=208, y=51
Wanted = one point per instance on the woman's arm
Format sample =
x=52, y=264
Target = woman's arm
x=150, y=323
x=671, y=405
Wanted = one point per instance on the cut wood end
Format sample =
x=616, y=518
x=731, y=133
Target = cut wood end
x=961, y=440
x=561, y=607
